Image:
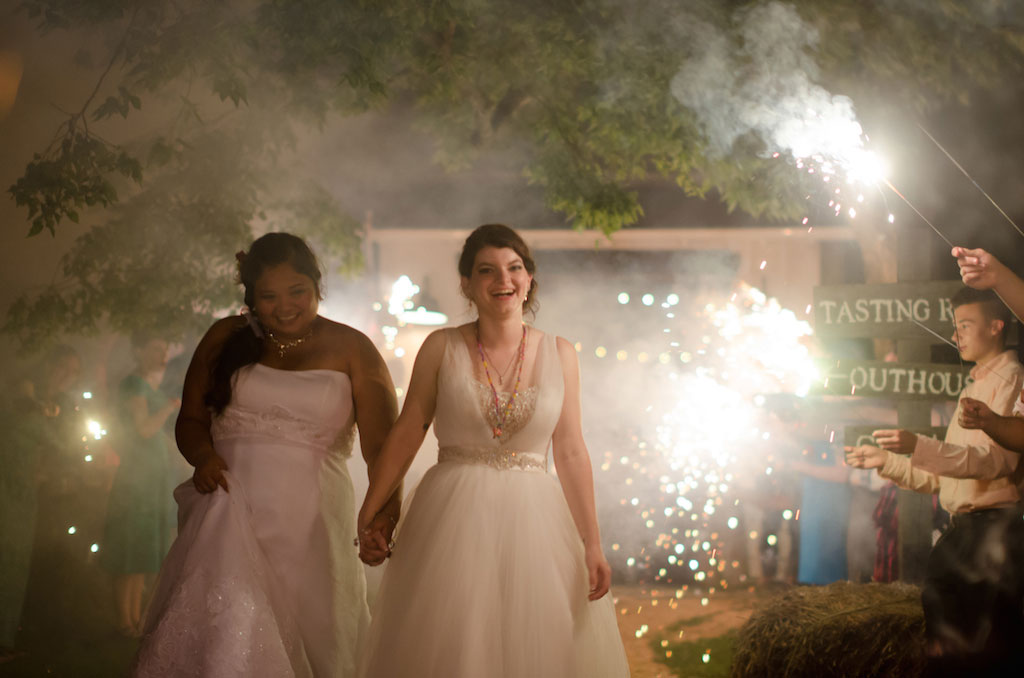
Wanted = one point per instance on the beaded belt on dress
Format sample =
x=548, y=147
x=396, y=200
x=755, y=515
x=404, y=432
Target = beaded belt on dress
x=501, y=459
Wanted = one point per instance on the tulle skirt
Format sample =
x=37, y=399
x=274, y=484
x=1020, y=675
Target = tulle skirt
x=488, y=578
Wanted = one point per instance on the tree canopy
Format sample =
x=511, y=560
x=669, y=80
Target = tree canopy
x=603, y=93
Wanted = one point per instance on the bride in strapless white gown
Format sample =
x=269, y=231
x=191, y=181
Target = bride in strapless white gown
x=497, y=569
x=263, y=580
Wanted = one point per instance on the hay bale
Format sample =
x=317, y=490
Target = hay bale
x=842, y=629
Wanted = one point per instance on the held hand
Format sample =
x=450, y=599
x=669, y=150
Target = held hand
x=896, y=440
x=975, y=414
x=375, y=540
x=599, y=571
x=978, y=268
x=209, y=474
x=865, y=456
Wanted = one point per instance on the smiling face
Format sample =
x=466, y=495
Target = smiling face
x=978, y=336
x=498, y=283
x=285, y=301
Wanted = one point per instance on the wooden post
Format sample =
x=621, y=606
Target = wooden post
x=915, y=509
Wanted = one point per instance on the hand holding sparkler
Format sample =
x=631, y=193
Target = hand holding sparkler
x=866, y=456
x=979, y=269
x=982, y=271
x=896, y=440
x=975, y=414
x=1007, y=432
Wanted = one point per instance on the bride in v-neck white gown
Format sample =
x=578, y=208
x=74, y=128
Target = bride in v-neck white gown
x=489, y=575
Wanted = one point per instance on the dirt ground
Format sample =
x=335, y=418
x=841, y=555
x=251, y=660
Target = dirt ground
x=659, y=609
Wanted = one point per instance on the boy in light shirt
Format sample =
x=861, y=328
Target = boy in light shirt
x=973, y=589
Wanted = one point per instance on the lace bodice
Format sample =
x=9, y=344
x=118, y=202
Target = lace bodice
x=465, y=415
x=309, y=407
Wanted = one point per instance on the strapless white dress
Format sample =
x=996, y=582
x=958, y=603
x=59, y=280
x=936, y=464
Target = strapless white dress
x=263, y=580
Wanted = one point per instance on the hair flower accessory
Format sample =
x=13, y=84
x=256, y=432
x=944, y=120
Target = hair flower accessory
x=254, y=324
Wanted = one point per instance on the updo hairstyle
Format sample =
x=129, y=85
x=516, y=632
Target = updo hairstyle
x=499, y=235
x=245, y=345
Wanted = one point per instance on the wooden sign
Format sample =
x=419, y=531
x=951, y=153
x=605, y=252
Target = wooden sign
x=893, y=381
x=861, y=434
x=887, y=311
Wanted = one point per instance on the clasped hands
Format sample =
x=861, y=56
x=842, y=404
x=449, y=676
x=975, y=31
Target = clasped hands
x=374, y=540
x=975, y=414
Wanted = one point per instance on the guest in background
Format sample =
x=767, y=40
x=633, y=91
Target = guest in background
x=139, y=514
x=31, y=418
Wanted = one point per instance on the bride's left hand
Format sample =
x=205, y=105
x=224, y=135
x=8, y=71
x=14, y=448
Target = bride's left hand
x=375, y=540
x=600, y=572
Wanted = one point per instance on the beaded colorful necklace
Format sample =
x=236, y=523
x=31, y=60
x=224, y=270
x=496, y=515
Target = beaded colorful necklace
x=500, y=415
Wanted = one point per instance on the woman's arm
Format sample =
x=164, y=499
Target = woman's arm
x=373, y=395
x=572, y=461
x=192, y=428
x=404, y=440
x=148, y=425
x=982, y=271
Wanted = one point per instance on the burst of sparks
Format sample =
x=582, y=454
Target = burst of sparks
x=703, y=432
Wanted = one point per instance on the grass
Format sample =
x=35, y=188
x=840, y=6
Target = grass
x=690, y=621
x=686, y=658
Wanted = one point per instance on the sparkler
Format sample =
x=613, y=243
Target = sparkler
x=836, y=145
x=970, y=178
x=934, y=334
x=918, y=212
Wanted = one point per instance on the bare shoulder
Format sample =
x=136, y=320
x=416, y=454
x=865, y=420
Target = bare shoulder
x=348, y=347
x=437, y=338
x=467, y=331
x=218, y=333
x=342, y=333
x=433, y=347
x=564, y=346
x=566, y=350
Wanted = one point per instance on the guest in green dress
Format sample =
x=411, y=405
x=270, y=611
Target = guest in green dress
x=30, y=417
x=139, y=512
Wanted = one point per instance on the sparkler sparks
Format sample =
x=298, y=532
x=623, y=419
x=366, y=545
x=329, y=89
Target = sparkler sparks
x=702, y=435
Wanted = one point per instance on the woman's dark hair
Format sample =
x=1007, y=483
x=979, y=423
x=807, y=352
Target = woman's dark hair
x=500, y=235
x=244, y=346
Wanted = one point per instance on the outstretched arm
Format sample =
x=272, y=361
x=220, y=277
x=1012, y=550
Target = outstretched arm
x=982, y=271
x=572, y=462
x=894, y=467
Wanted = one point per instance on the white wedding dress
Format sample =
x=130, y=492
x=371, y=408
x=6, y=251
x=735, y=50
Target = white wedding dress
x=487, y=578
x=263, y=580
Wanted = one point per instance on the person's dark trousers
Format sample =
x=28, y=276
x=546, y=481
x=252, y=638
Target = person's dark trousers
x=973, y=595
